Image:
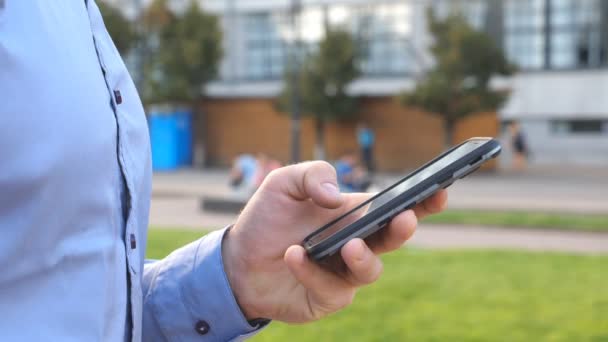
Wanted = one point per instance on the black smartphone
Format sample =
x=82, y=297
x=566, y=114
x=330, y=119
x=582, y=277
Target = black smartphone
x=377, y=212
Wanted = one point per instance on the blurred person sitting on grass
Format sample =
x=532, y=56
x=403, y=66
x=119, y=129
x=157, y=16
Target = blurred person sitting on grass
x=352, y=177
x=243, y=174
x=76, y=185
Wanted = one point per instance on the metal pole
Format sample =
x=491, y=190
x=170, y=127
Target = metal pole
x=295, y=83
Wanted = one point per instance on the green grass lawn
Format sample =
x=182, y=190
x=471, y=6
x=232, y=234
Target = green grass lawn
x=522, y=219
x=459, y=296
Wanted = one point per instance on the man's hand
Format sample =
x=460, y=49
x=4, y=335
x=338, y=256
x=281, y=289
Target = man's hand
x=269, y=271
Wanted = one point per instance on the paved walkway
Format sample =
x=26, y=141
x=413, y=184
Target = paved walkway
x=549, y=189
x=448, y=237
x=176, y=203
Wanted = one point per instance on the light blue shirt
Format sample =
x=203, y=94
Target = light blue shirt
x=75, y=184
x=366, y=137
x=248, y=166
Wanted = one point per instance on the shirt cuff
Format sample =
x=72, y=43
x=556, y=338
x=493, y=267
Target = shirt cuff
x=191, y=297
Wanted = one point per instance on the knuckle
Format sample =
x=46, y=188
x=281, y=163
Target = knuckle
x=275, y=175
x=322, y=167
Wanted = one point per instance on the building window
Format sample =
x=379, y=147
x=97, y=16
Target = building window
x=474, y=11
x=524, y=25
x=383, y=33
x=265, y=48
x=580, y=126
x=576, y=34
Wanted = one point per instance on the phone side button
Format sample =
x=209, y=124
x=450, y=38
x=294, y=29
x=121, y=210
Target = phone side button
x=462, y=172
x=385, y=222
x=426, y=193
x=472, y=170
x=447, y=184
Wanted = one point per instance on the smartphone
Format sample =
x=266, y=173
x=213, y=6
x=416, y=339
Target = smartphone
x=377, y=212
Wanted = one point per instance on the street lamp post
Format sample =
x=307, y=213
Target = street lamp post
x=295, y=83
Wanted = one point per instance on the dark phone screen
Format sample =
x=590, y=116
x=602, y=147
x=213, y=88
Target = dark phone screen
x=397, y=189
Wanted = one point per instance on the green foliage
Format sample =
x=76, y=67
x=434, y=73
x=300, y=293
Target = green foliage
x=323, y=81
x=458, y=296
x=539, y=220
x=185, y=51
x=161, y=242
x=324, y=78
x=119, y=27
x=459, y=83
x=470, y=296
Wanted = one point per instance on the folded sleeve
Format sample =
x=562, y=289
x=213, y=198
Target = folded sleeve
x=187, y=297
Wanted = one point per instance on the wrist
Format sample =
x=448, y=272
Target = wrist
x=235, y=270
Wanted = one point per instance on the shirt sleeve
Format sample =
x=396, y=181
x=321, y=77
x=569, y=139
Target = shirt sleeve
x=187, y=297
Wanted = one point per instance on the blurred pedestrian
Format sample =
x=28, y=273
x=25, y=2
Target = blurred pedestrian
x=243, y=173
x=366, y=140
x=352, y=177
x=520, y=147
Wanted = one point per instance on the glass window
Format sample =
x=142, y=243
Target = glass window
x=265, y=48
x=383, y=32
x=575, y=34
x=524, y=41
x=579, y=126
x=473, y=10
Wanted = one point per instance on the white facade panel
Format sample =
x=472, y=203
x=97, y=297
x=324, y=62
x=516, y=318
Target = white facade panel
x=555, y=95
x=550, y=148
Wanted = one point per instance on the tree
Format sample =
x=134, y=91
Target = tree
x=459, y=83
x=119, y=27
x=185, y=52
x=325, y=76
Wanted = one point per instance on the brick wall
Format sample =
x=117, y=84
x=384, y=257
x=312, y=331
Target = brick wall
x=405, y=138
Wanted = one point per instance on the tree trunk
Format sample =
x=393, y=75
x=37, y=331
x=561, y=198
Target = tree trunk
x=319, y=151
x=448, y=127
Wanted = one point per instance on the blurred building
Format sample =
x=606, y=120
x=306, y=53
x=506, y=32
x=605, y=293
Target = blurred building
x=559, y=95
x=560, y=46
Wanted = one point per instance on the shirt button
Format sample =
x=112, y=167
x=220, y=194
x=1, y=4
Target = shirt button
x=117, y=96
x=202, y=327
x=133, y=241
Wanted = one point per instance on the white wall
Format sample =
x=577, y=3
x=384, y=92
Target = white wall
x=540, y=97
x=549, y=148
x=556, y=94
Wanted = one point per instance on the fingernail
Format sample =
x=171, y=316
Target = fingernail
x=331, y=189
x=298, y=255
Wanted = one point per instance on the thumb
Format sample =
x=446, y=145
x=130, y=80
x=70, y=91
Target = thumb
x=315, y=180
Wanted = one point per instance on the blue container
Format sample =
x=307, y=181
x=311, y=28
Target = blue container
x=184, y=137
x=163, y=139
x=171, y=139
